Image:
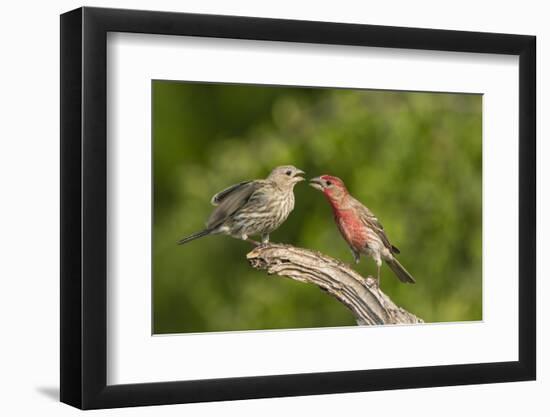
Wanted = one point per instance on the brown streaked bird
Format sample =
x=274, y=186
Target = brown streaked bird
x=251, y=208
x=359, y=227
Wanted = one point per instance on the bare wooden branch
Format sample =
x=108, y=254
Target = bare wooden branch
x=368, y=303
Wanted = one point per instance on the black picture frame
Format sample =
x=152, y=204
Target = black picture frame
x=84, y=207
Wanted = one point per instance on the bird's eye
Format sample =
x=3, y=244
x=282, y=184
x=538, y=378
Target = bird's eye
x=329, y=183
x=289, y=173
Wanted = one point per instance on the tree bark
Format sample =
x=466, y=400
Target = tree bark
x=368, y=304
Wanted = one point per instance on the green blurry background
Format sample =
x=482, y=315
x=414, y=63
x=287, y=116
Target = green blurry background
x=413, y=158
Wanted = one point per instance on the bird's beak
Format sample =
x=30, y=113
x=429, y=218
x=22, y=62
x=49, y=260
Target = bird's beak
x=316, y=183
x=298, y=175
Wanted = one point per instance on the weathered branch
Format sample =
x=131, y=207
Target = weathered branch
x=368, y=304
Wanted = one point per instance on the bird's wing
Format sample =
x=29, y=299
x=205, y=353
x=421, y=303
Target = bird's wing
x=370, y=220
x=218, y=198
x=230, y=200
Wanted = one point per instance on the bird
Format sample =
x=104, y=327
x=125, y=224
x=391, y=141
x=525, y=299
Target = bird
x=360, y=228
x=256, y=207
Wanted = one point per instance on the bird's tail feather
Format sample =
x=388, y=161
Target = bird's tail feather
x=194, y=236
x=400, y=271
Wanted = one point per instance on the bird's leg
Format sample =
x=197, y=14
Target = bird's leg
x=356, y=256
x=382, y=296
x=378, y=266
x=265, y=238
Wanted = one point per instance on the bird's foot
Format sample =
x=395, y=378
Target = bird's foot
x=371, y=283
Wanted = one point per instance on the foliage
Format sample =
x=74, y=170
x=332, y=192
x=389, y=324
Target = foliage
x=415, y=159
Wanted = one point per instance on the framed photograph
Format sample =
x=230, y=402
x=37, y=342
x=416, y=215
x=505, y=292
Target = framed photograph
x=259, y=208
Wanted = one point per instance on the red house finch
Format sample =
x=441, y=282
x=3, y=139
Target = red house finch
x=359, y=227
x=251, y=208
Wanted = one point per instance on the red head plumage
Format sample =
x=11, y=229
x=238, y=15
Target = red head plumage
x=332, y=187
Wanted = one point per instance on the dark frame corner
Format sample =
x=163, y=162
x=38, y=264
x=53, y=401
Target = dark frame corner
x=83, y=207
